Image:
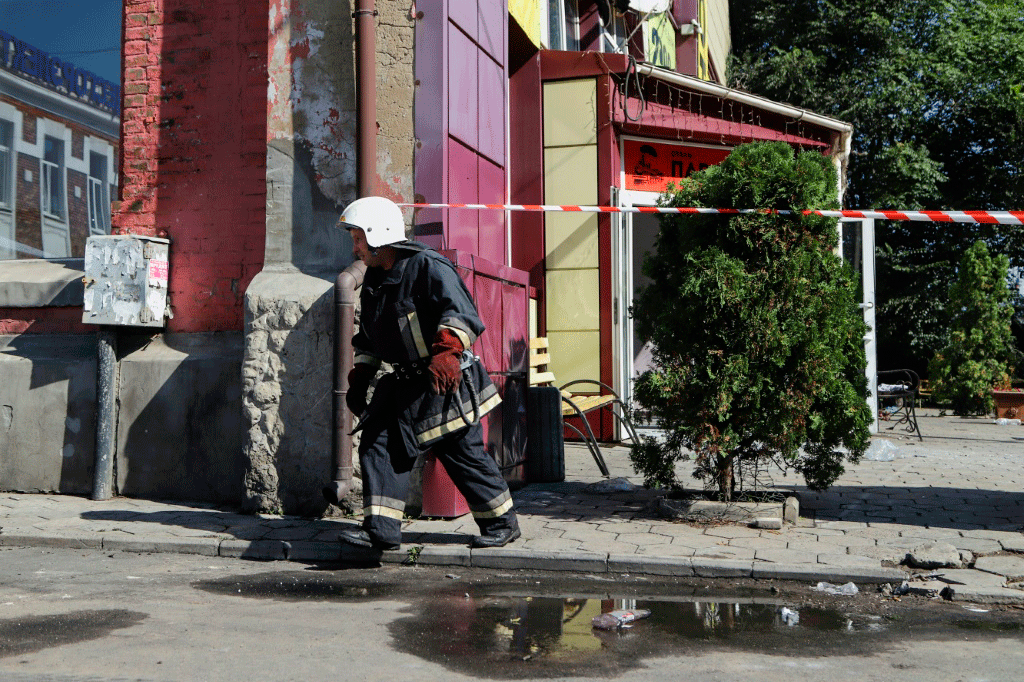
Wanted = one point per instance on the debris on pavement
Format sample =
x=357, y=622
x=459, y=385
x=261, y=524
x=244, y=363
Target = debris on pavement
x=882, y=451
x=849, y=589
x=934, y=555
x=611, y=485
x=618, y=619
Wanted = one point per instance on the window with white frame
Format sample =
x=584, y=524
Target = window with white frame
x=6, y=164
x=52, y=178
x=99, y=202
x=613, y=33
x=563, y=25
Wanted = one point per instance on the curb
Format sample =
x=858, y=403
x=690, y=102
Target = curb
x=499, y=558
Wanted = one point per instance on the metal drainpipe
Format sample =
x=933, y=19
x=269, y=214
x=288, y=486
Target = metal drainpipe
x=366, y=96
x=344, y=327
x=352, y=277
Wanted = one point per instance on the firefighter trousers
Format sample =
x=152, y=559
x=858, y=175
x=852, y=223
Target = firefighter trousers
x=474, y=473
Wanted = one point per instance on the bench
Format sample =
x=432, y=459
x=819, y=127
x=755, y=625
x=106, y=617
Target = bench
x=897, y=398
x=577, y=405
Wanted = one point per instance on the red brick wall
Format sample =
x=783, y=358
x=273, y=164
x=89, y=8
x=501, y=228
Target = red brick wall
x=28, y=128
x=77, y=143
x=194, y=157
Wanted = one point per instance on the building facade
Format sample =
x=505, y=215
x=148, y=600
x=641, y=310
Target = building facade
x=59, y=142
x=240, y=146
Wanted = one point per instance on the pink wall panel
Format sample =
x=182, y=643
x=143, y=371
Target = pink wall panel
x=492, y=22
x=463, y=99
x=491, y=113
x=490, y=345
x=430, y=109
x=464, y=13
x=492, y=223
x=463, y=225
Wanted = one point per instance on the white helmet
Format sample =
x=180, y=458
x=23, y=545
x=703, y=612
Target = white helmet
x=379, y=218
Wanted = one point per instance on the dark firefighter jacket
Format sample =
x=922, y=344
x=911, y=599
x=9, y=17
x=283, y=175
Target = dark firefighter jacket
x=402, y=310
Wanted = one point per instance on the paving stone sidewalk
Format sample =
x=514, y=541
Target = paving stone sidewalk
x=959, y=491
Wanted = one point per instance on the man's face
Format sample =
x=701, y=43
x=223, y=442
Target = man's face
x=361, y=250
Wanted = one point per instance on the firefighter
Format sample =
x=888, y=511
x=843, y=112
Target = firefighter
x=419, y=317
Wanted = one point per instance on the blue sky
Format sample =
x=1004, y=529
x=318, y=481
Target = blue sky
x=85, y=32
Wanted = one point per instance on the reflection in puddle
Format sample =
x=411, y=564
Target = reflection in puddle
x=510, y=636
x=499, y=635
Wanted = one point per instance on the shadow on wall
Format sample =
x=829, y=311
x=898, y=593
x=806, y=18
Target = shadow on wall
x=47, y=413
x=179, y=423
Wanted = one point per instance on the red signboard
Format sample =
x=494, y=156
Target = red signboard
x=651, y=166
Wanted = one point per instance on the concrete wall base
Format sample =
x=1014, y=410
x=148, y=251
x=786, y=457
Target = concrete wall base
x=47, y=413
x=179, y=433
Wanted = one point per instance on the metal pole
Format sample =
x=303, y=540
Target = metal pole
x=366, y=96
x=106, y=413
x=871, y=345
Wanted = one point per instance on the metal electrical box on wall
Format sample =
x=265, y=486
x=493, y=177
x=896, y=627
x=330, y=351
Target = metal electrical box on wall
x=126, y=280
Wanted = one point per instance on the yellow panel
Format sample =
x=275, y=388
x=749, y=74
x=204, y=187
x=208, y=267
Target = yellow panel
x=719, y=43
x=660, y=41
x=575, y=355
x=703, y=55
x=573, y=300
x=570, y=175
x=570, y=113
x=570, y=240
x=527, y=15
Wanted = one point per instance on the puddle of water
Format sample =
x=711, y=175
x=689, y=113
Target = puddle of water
x=34, y=633
x=539, y=636
x=491, y=633
x=293, y=587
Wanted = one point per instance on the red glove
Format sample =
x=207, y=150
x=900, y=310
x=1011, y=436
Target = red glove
x=445, y=358
x=359, y=379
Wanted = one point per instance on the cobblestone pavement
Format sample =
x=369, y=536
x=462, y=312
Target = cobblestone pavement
x=960, y=490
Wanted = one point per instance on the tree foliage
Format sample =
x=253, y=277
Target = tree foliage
x=753, y=318
x=978, y=352
x=933, y=89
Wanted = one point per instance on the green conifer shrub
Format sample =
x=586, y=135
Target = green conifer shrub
x=979, y=344
x=757, y=338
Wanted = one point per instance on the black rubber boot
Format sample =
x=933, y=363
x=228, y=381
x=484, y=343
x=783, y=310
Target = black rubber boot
x=360, y=538
x=496, y=538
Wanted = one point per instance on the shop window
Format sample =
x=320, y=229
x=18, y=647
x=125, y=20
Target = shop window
x=99, y=201
x=52, y=177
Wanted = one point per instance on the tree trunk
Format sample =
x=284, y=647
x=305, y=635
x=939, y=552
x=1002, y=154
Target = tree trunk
x=724, y=475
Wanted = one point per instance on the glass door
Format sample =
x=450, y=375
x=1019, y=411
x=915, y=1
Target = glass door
x=633, y=236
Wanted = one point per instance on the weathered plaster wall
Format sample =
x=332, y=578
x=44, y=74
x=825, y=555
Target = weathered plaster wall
x=311, y=176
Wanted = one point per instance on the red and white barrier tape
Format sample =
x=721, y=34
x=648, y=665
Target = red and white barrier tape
x=993, y=217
